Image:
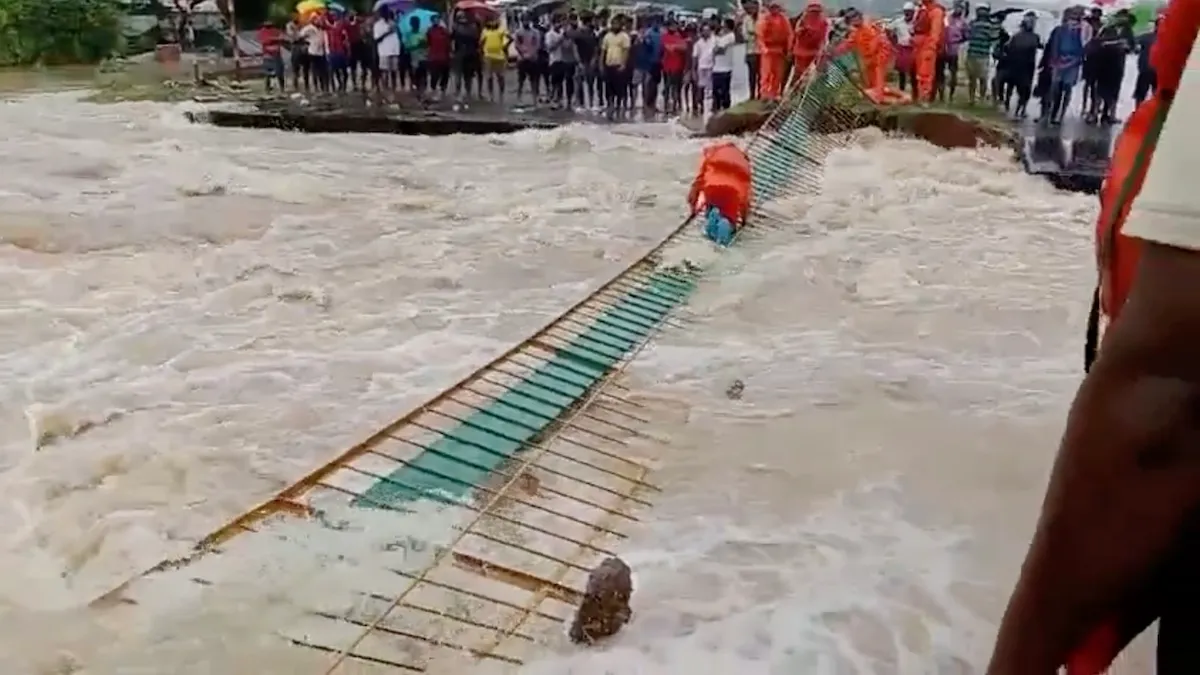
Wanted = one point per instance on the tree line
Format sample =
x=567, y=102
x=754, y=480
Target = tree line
x=55, y=32
x=62, y=32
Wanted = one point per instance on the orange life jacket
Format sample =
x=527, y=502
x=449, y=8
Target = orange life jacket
x=928, y=26
x=810, y=32
x=774, y=33
x=921, y=22
x=1117, y=254
x=724, y=182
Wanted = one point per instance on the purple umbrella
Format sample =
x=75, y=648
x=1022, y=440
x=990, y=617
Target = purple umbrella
x=397, y=6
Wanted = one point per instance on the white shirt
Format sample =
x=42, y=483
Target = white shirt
x=553, y=38
x=1168, y=209
x=387, y=46
x=316, y=40
x=723, y=63
x=702, y=52
x=903, y=31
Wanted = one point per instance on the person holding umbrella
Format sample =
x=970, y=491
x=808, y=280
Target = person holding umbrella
x=313, y=34
x=467, y=60
x=301, y=70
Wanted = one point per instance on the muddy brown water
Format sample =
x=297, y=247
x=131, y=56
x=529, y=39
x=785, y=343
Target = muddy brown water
x=195, y=317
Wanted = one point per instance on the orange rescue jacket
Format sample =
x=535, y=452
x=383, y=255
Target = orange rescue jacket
x=809, y=35
x=929, y=25
x=774, y=33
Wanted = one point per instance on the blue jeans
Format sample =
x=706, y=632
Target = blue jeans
x=272, y=66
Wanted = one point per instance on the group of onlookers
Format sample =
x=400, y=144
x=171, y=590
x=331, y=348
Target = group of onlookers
x=569, y=60
x=1086, y=47
x=972, y=45
x=619, y=63
x=334, y=54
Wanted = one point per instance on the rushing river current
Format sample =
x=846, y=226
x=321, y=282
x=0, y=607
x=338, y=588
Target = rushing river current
x=192, y=318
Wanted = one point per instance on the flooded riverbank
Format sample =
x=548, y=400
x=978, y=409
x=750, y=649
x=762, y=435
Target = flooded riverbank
x=197, y=317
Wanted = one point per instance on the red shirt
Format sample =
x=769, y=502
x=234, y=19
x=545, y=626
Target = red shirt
x=337, y=38
x=270, y=38
x=675, y=48
x=439, y=43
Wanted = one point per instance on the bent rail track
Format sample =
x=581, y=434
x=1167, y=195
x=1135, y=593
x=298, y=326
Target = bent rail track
x=533, y=458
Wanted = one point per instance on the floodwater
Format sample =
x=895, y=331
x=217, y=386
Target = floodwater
x=195, y=317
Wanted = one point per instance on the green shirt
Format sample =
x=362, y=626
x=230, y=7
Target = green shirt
x=983, y=34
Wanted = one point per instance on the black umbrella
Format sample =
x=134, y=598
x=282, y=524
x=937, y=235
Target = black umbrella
x=545, y=7
x=1002, y=14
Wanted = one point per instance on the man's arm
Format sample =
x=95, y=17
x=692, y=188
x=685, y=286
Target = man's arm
x=1127, y=473
x=1128, y=469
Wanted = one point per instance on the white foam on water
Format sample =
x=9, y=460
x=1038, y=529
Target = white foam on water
x=196, y=317
x=907, y=353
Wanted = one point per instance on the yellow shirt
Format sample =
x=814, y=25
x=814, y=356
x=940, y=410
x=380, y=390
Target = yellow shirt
x=495, y=43
x=615, y=48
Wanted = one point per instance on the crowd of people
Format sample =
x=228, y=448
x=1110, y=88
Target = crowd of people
x=616, y=63
x=1009, y=69
x=578, y=60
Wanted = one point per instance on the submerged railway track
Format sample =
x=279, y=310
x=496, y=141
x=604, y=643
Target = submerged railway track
x=534, y=462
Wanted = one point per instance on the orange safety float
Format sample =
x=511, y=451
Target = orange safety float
x=1117, y=257
x=721, y=190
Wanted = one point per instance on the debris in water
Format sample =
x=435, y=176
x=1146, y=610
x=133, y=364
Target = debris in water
x=734, y=392
x=605, y=606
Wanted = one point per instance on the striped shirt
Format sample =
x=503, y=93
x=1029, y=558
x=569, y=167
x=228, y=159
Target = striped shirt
x=983, y=35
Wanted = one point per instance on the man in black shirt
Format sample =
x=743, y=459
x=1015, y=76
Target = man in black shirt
x=1018, y=61
x=588, y=47
x=467, y=61
x=1147, y=81
x=1106, y=52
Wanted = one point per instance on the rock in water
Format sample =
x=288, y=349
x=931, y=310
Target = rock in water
x=743, y=118
x=605, y=607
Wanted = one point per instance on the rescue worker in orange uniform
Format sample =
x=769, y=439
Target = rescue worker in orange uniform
x=808, y=38
x=1118, y=542
x=774, y=42
x=875, y=53
x=927, y=30
x=721, y=191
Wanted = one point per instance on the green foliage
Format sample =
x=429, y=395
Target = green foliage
x=54, y=32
